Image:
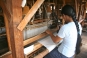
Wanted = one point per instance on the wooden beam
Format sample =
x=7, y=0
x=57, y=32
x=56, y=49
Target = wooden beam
x=30, y=40
x=30, y=14
x=6, y=55
x=79, y=13
x=2, y=35
x=64, y=2
x=7, y=30
x=84, y=14
x=76, y=6
x=36, y=46
x=5, y=10
x=37, y=21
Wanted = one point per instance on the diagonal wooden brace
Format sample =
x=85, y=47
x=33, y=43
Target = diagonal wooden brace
x=30, y=14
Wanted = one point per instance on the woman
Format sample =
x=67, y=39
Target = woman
x=68, y=33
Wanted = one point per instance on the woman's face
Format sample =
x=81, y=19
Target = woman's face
x=66, y=18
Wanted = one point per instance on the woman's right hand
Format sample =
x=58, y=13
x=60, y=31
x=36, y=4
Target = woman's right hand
x=48, y=32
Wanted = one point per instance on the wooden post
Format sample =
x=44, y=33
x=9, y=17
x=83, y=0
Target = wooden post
x=76, y=6
x=7, y=30
x=15, y=34
x=12, y=10
x=64, y=2
x=7, y=16
x=5, y=10
x=84, y=14
x=79, y=13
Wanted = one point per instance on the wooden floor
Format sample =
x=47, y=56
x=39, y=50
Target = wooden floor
x=83, y=53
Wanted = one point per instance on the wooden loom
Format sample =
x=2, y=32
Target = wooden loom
x=19, y=36
x=14, y=23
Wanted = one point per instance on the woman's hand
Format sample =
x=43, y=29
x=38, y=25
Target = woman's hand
x=48, y=32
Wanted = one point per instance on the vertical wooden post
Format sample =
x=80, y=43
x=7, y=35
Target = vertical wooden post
x=84, y=14
x=79, y=13
x=76, y=6
x=7, y=16
x=7, y=30
x=64, y=2
x=16, y=36
x=57, y=7
x=12, y=8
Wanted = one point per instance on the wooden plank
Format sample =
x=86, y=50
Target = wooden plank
x=36, y=47
x=30, y=14
x=37, y=21
x=30, y=40
x=6, y=55
x=2, y=34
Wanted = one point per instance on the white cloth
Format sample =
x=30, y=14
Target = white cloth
x=28, y=49
x=48, y=43
x=23, y=3
x=68, y=33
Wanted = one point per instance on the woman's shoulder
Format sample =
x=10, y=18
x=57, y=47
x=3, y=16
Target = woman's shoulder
x=64, y=26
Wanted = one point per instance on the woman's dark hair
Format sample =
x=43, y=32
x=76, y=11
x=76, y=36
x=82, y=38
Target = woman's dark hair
x=70, y=11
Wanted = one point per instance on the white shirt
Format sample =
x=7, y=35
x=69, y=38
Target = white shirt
x=68, y=33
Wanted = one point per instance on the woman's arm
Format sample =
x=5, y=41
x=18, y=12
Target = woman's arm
x=55, y=39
